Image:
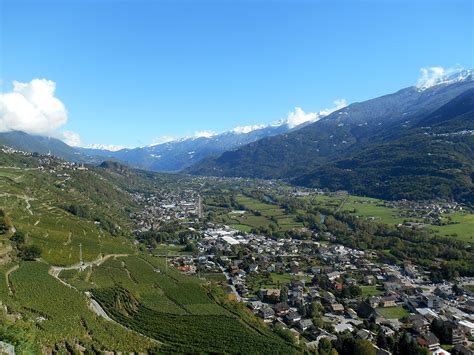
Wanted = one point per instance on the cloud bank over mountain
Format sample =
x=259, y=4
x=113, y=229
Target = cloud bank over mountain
x=431, y=76
x=298, y=116
x=32, y=108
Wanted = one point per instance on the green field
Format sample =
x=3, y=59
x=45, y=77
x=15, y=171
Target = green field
x=241, y=227
x=169, y=306
x=463, y=227
x=392, y=312
x=370, y=291
x=269, y=215
x=374, y=209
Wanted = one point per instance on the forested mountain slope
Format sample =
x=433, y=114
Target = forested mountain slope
x=411, y=144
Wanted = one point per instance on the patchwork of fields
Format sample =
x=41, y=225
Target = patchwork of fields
x=462, y=227
x=267, y=214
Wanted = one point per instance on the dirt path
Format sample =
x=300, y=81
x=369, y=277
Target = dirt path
x=56, y=270
x=94, y=306
x=342, y=203
x=7, y=278
x=88, y=276
x=22, y=197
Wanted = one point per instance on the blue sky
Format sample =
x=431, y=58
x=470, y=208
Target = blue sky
x=129, y=72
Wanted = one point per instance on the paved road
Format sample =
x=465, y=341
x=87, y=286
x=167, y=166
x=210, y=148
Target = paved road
x=97, y=308
x=234, y=291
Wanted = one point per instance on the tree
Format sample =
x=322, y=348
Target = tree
x=284, y=294
x=316, y=309
x=458, y=291
x=442, y=330
x=30, y=252
x=407, y=345
x=324, y=346
x=382, y=340
x=5, y=222
x=18, y=238
x=363, y=347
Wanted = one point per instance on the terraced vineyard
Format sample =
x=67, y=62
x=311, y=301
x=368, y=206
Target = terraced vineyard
x=62, y=314
x=142, y=294
x=33, y=200
x=190, y=333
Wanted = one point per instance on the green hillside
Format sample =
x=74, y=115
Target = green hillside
x=50, y=210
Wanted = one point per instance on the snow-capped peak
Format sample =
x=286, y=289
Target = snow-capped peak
x=109, y=147
x=247, y=129
x=438, y=75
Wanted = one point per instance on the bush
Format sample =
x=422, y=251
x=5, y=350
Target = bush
x=30, y=252
x=18, y=238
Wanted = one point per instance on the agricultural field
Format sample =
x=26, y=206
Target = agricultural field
x=372, y=208
x=461, y=226
x=33, y=200
x=148, y=280
x=365, y=207
x=170, y=307
x=62, y=315
x=191, y=333
x=462, y=229
x=259, y=214
x=370, y=291
x=272, y=280
x=392, y=312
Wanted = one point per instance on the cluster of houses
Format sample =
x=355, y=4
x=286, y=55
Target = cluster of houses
x=429, y=212
x=247, y=257
x=165, y=206
x=46, y=162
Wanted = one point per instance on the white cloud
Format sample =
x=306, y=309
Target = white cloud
x=298, y=116
x=32, y=108
x=72, y=139
x=247, y=129
x=338, y=104
x=432, y=76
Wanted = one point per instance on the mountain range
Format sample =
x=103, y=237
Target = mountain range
x=172, y=156
x=415, y=143
x=182, y=153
